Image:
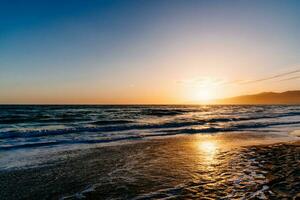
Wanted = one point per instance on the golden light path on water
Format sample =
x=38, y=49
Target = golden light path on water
x=208, y=147
x=211, y=166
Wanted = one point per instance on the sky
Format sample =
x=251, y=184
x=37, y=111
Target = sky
x=146, y=51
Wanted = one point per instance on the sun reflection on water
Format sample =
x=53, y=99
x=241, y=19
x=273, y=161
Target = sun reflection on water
x=208, y=150
x=208, y=146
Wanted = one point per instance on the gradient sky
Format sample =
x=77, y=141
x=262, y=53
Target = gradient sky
x=146, y=51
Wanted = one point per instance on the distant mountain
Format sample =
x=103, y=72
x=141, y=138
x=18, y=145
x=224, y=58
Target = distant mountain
x=288, y=97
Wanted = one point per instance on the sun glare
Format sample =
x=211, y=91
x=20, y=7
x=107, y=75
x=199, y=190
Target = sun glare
x=208, y=149
x=201, y=91
x=205, y=95
x=208, y=146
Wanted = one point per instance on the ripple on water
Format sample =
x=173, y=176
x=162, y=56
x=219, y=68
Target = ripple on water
x=176, y=168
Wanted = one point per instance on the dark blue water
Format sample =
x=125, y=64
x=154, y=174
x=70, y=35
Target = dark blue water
x=24, y=127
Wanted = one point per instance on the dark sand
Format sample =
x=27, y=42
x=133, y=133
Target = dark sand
x=193, y=167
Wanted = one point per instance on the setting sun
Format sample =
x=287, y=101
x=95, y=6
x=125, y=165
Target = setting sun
x=201, y=90
x=205, y=95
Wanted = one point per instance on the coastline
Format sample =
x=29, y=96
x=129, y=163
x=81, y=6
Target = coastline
x=213, y=166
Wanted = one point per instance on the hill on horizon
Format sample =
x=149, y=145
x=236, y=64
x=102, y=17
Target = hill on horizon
x=288, y=97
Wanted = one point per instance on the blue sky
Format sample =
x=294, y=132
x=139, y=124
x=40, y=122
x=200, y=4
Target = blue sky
x=139, y=51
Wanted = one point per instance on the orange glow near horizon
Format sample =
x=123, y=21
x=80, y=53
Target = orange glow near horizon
x=147, y=52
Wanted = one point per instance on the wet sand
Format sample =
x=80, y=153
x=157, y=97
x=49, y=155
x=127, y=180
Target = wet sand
x=223, y=166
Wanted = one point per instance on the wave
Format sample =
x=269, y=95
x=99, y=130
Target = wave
x=26, y=126
x=40, y=119
x=126, y=125
x=52, y=143
x=80, y=117
x=241, y=127
x=165, y=112
x=29, y=145
x=112, y=122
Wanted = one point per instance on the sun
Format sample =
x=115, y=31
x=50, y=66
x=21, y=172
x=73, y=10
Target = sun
x=203, y=91
x=205, y=95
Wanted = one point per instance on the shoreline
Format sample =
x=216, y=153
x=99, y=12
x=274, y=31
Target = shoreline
x=185, y=166
x=34, y=157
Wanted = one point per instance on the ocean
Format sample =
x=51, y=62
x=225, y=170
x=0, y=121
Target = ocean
x=133, y=152
x=24, y=127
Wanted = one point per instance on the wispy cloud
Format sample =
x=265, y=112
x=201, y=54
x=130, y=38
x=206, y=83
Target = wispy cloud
x=202, y=82
x=273, y=77
x=213, y=81
x=235, y=82
x=291, y=78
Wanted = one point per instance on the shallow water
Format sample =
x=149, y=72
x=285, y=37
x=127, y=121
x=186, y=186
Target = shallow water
x=195, y=167
x=29, y=133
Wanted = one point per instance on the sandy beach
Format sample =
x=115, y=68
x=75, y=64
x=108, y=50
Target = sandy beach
x=222, y=166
